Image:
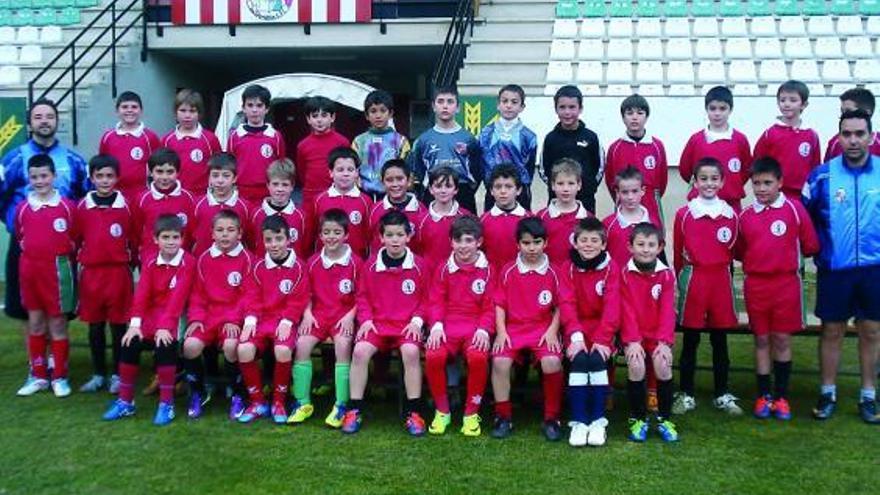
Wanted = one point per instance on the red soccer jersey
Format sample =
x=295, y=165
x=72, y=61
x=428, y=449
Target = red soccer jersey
x=194, y=150
x=46, y=229
x=206, y=207
x=254, y=151
x=106, y=234
x=499, y=234
x=833, y=150
x=647, y=304
x=219, y=292
x=774, y=238
x=312, y=153
x=797, y=151
x=333, y=285
x=594, y=308
x=463, y=294
x=132, y=149
x=296, y=224
x=154, y=203
x=704, y=234
x=731, y=149
x=528, y=296
x=392, y=296
x=618, y=230
x=560, y=229
x=414, y=210
x=277, y=292
x=433, y=235
x=354, y=203
x=163, y=290
x=649, y=157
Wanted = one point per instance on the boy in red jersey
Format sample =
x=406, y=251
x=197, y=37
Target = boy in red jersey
x=345, y=195
x=255, y=143
x=639, y=149
x=703, y=238
x=194, y=144
x=314, y=150
x=280, y=179
x=106, y=250
x=397, y=179
x=592, y=319
x=628, y=214
x=528, y=295
x=442, y=212
x=795, y=148
x=462, y=313
x=854, y=99
x=647, y=294
x=775, y=233
x=564, y=210
x=391, y=295
x=333, y=274
x=131, y=143
x=499, y=223
x=220, y=195
x=46, y=231
x=159, y=302
x=216, y=311
x=722, y=142
x=277, y=294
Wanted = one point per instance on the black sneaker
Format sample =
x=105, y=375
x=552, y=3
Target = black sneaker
x=825, y=407
x=552, y=430
x=502, y=428
x=868, y=412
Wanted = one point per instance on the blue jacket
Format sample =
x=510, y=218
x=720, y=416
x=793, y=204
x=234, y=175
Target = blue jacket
x=844, y=204
x=517, y=145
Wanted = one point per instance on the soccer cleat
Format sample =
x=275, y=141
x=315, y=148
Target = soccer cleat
x=32, y=385
x=95, y=383
x=825, y=407
x=119, y=409
x=115, y=382
x=502, y=428
x=254, y=411
x=763, y=407
x=300, y=413
x=471, y=425
x=152, y=388
x=334, y=419
x=667, y=430
x=578, y=435
x=236, y=407
x=164, y=414
x=683, y=403
x=279, y=413
x=597, y=435
x=781, y=409
x=638, y=430
x=651, y=403
x=60, y=387
x=196, y=405
x=440, y=423
x=351, y=421
x=552, y=430
x=868, y=412
x=727, y=403
x=415, y=424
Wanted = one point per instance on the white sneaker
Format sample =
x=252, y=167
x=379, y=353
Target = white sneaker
x=60, y=387
x=727, y=403
x=597, y=435
x=114, y=384
x=95, y=383
x=579, y=432
x=32, y=385
x=683, y=403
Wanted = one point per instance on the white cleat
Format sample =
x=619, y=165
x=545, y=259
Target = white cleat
x=578, y=436
x=597, y=435
x=60, y=387
x=727, y=403
x=32, y=385
x=95, y=383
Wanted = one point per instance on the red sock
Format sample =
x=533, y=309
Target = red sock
x=250, y=372
x=281, y=378
x=504, y=410
x=127, y=377
x=60, y=351
x=650, y=377
x=37, y=353
x=552, y=395
x=435, y=369
x=166, y=382
x=477, y=374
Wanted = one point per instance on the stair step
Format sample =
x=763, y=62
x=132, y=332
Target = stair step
x=511, y=50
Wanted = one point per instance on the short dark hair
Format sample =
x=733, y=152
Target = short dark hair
x=466, y=225
x=227, y=214
x=514, y=88
x=223, y=161
x=505, y=171
x=635, y=102
x=862, y=97
x=794, y=86
x=41, y=160
x=42, y=101
x=443, y=174
x=708, y=161
x=379, y=97
x=127, y=96
x=858, y=113
x=334, y=215
x=258, y=92
x=396, y=163
x=646, y=229
x=720, y=94
x=532, y=226
x=394, y=217
x=319, y=104
x=629, y=172
x=98, y=162
x=162, y=156
x=766, y=165
x=568, y=91
x=444, y=90
x=590, y=224
x=167, y=222
x=275, y=223
x=341, y=152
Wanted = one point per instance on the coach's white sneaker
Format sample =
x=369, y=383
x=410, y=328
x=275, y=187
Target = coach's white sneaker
x=114, y=384
x=683, y=403
x=727, y=403
x=579, y=432
x=95, y=383
x=60, y=387
x=32, y=385
x=597, y=435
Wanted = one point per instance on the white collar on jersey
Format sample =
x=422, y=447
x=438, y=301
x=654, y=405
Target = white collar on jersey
x=519, y=211
x=268, y=210
x=646, y=139
x=215, y=251
x=175, y=261
x=136, y=132
x=231, y=201
x=712, y=136
x=409, y=261
x=659, y=267
x=452, y=266
x=435, y=216
x=241, y=131
x=412, y=204
x=712, y=208
x=37, y=203
x=288, y=263
x=354, y=192
x=195, y=133
x=553, y=210
x=119, y=202
x=624, y=223
x=541, y=269
x=343, y=260
x=159, y=195
x=780, y=200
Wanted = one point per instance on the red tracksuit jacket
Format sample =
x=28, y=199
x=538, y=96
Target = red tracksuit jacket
x=731, y=149
x=499, y=234
x=219, y=292
x=163, y=290
x=333, y=286
x=391, y=297
x=132, y=150
x=106, y=235
x=594, y=308
x=312, y=153
x=774, y=238
x=560, y=230
x=354, y=203
x=647, y=304
x=194, y=150
x=700, y=240
x=433, y=239
x=796, y=149
x=277, y=292
x=254, y=152
x=463, y=294
x=649, y=157
x=206, y=207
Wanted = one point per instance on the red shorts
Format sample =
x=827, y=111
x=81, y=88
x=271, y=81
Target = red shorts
x=706, y=298
x=387, y=341
x=589, y=327
x=326, y=330
x=105, y=293
x=458, y=339
x=522, y=340
x=48, y=285
x=265, y=337
x=211, y=333
x=774, y=303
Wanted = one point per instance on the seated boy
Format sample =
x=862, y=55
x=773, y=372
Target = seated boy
x=500, y=222
x=220, y=195
x=280, y=182
x=442, y=212
x=345, y=195
x=564, y=210
x=396, y=177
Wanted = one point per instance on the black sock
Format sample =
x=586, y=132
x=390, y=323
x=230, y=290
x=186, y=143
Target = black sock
x=763, y=385
x=664, y=398
x=233, y=375
x=781, y=373
x=210, y=355
x=687, y=362
x=97, y=348
x=720, y=361
x=635, y=392
x=195, y=374
x=412, y=406
x=117, y=330
x=356, y=404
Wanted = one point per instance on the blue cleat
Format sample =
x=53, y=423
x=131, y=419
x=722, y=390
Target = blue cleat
x=415, y=424
x=119, y=409
x=164, y=414
x=195, y=409
x=763, y=407
x=667, y=431
x=236, y=407
x=279, y=413
x=638, y=430
x=254, y=411
x=502, y=428
x=351, y=422
x=868, y=412
x=825, y=407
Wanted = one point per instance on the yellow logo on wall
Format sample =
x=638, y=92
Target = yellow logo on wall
x=472, y=116
x=8, y=132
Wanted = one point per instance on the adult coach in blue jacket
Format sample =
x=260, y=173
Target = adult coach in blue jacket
x=843, y=198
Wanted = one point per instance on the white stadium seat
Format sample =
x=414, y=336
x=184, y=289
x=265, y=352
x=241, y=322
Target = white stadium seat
x=792, y=26
x=768, y=48
x=805, y=70
x=773, y=71
x=619, y=73
x=867, y=70
x=836, y=71
x=565, y=28
x=551, y=89
x=677, y=27
x=591, y=90
x=734, y=26
x=763, y=26
x=858, y=47
x=798, y=48
x=816, y=89
x=742, y=71
x=7, y=34
x=820, y=26
x=8, y=55
x=559, y=72
x=28, y=34
x=51, y=34
x=681, y=90
x=708, y=48
x=747, y=90
x=873, y=27
x=873, y=87
x=620, y=28
x=711, y=72
x=618, y=90
x=828, y=48
x=648, y=28
x=561, y=50
x=705, y=27
x=590, y=72
x=849, y=26
x=593, y=28
x=10, y=75
x=738, y=48
x=30, y=54
x=651, y=90
x=679, y=49
x=680, y=72
x=591, y=50
x=649, y=72
x=620, y=49
x=650, y=49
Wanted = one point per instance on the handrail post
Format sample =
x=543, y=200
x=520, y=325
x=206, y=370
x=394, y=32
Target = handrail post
x=113, y=48
x=73, y=94
x=144, y=11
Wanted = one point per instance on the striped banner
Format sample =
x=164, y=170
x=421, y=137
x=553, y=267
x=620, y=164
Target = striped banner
x=262, y=11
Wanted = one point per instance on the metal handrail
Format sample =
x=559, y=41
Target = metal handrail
x=78, y=74
x=454, y=45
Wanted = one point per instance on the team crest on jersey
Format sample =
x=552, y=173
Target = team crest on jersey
x=724, y=234
x=408, y=286
x=234, y=279
x=294, y=234
x=655, y=291
x=60, y=225
x=183, y=218
x=778, y=228
x=266, y=150
x=196, y=155
x=840, y=195
x=355, y=217
x=804, y=149
x=116, y=230
x=172, y=283
x=600, y=287
x=650, y=162
x=137, y=153
x=285, y=286
x=545, y=297
x=345, y=286
x=734, y=165
x=478, y=286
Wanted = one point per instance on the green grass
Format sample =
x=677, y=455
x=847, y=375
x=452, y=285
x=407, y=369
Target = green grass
x=61, y=446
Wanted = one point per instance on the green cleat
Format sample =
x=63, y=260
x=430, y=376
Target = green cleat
x=301, y=413
x=440, y=423
x=471, y=426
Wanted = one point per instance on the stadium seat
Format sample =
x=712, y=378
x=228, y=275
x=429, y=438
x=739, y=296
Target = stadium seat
x=869, y=7
x=45, y=17
x=594, y=8
x=619, y=72
x=738, y=48
x=563, y=28
x=567, y=9
x=649, y=72
x=620, y=28
x=10, y=75
x=680, y=72
x=27, y=34
x=8, y=55
x=590, y=90
x=763, y=26
x=792, y=26
x=7, y=34
x=677, y=27
x=551, y=89
x=621, y=8
x=62, y=4
x=798, y=48
x=590, y=72
x=843, y=7
x=51, y=34
x=681, y=90
x=820, y=26
x=705, y=27
x=816, y=89
x=20, y=4
x=679, y=49
x=873, y=26
x=747, y=90
x=849, y=26
x=773, y=71
x=618, y=90
x=757, y=8
x=559, y=72
x=5, y=17
x=742, y=71
x=651, y=90
x=711, y=72
x=703, y=8
x=591, y=50
x=787, y=7
x=734, y=26
x=593, y=28
x=30, y=54
x=828, y=48
x=858, y=47
x=5, y=4
x=768, y=48
x=732, y=8
x=873, y=87
x=867, y=70
x=648, y=8
x=68, y=16
x=42, y=4
x=561, y=50
x=836, y=71
x=619, y=49
x=815, y=7
x=708, y=48
x=675, y=8
x=648, y=28
x=650, y=49
x=86, y=3
x=805, y=70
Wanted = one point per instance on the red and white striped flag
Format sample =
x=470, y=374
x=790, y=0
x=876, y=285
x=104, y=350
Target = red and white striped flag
x=260, y=11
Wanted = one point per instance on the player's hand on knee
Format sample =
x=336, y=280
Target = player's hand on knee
x=480, y=341
x=603, y=351
x=231, y=330
x=366, y=328
x=436, y=337
x=551, y=340
x=307, y=323
x=345, y=326
x=163, y=337
x=131, y=334
x=634, y=352
x=282, y=332
x=248, y=330
x=662, y=354
x=502, y=340
x=193, y=327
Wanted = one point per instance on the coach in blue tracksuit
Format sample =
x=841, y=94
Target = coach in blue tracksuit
x=843, y=198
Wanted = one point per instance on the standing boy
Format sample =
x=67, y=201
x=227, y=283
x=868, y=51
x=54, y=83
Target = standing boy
x=442, y=212
x=280, y=178
x=852, y=99
x=220, y=195
x=564, y=211
x=379, y=143
x=345, y=195
x=255, y=143
x=396, y=177
x=194, y=144
x=131, y=143
x=499, y=223
x=314, y=150
x=627, y=215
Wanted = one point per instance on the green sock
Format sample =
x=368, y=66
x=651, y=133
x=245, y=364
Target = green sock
x=302, y=381
x=341, y=375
